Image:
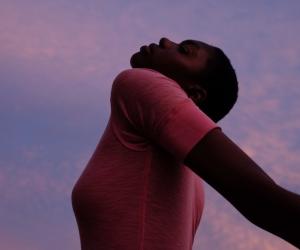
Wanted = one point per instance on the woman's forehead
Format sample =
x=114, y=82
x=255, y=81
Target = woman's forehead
x=196, y=43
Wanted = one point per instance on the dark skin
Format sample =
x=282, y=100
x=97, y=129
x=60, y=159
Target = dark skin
x=216, y=158
x=181, y=62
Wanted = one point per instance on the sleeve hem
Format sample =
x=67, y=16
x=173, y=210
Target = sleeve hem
x=183, y=128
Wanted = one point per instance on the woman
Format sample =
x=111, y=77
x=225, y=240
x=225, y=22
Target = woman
x=142, y=188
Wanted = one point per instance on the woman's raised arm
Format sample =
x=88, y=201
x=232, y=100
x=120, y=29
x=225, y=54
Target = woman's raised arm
x=230, y=171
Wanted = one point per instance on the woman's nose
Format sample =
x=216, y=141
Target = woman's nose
x=165, y=43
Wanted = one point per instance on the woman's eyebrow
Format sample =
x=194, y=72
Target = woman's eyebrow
x=192, y=42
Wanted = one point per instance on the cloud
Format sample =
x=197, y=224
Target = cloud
x=39, y=176
x=58, y=60
x=12, y=243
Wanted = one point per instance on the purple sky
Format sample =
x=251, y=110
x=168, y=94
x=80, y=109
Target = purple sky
x=58, y=60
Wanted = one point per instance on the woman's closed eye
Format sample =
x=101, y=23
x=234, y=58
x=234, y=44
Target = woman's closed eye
x=183, y=49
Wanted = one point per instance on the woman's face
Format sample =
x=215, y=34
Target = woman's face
x=181, y=62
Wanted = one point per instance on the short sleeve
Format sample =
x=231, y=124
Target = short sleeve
x=156, y=107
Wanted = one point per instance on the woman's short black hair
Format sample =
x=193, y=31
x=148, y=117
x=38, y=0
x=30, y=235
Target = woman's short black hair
x=220, y=82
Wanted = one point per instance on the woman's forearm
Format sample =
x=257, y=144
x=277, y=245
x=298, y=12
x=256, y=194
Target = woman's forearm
x=279, y=214
x=269, y=207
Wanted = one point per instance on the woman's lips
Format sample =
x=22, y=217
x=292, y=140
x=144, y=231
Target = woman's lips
x=145, y=49
x=152, y=47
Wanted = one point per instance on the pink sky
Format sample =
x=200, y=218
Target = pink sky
x=58, y=60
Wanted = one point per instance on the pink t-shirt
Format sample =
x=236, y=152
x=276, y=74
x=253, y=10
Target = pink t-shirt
x=135, y=192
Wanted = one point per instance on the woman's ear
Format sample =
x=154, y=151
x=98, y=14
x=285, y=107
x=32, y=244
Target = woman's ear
x=197, y=93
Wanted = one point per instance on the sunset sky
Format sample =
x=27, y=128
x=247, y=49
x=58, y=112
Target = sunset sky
x=58, y=59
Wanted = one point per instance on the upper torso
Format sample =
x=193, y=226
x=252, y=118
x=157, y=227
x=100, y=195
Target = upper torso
x=134, y=194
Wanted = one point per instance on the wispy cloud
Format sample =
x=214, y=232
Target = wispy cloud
x=58, y=59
